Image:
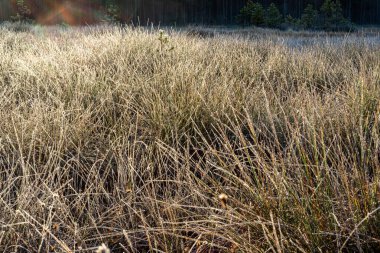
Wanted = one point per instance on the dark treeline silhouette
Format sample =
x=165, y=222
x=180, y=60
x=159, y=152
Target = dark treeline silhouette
x=176, y=11
x=225, y=11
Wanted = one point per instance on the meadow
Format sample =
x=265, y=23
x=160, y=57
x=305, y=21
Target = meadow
x=188, y=140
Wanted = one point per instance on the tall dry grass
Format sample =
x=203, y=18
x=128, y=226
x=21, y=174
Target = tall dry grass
x=223, y=143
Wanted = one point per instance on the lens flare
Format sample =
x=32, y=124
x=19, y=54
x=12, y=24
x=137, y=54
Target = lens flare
x=70, y=12
x=48, y=12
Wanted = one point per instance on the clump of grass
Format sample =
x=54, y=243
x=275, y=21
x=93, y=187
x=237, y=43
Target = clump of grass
x=106, y=140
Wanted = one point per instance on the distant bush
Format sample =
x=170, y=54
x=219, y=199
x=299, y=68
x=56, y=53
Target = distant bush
x=199, y=33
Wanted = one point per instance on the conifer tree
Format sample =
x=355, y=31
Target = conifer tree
x=309, y=17
x=332, y=12
x=273, y=16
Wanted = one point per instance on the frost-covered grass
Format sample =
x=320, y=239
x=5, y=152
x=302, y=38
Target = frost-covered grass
x=230, y=142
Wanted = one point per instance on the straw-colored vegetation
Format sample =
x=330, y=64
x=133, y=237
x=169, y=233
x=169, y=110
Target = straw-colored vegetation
x=258, y=142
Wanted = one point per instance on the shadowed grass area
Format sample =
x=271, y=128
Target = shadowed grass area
x=113, y=135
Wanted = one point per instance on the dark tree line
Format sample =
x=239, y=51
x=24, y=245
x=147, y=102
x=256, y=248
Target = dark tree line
x=180, y=11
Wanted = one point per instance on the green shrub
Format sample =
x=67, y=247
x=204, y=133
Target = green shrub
x=273, y=17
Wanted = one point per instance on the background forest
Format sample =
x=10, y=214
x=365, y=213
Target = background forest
x=174, y=11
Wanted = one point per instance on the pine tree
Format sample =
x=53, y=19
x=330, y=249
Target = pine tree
x=257, y=14
x=252, y=13
x=309, y=17
x=273, y=16
x=333, y=15
x=245, y=13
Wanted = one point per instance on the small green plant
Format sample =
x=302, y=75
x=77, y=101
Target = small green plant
x=273, y=17
x=163, y=38
x=309, y=17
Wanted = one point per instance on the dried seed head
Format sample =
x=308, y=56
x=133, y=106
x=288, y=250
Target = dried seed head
x=55, y=226
x=223, y=197
x=223, y=200
x=103, y=249
x=234, y=248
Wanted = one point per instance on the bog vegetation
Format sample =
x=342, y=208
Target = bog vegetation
x=170, y=141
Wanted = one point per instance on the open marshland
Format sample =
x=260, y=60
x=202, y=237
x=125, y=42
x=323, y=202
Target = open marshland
x=188, y=141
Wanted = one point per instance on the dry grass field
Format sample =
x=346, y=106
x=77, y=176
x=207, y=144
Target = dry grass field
x=188, y=141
